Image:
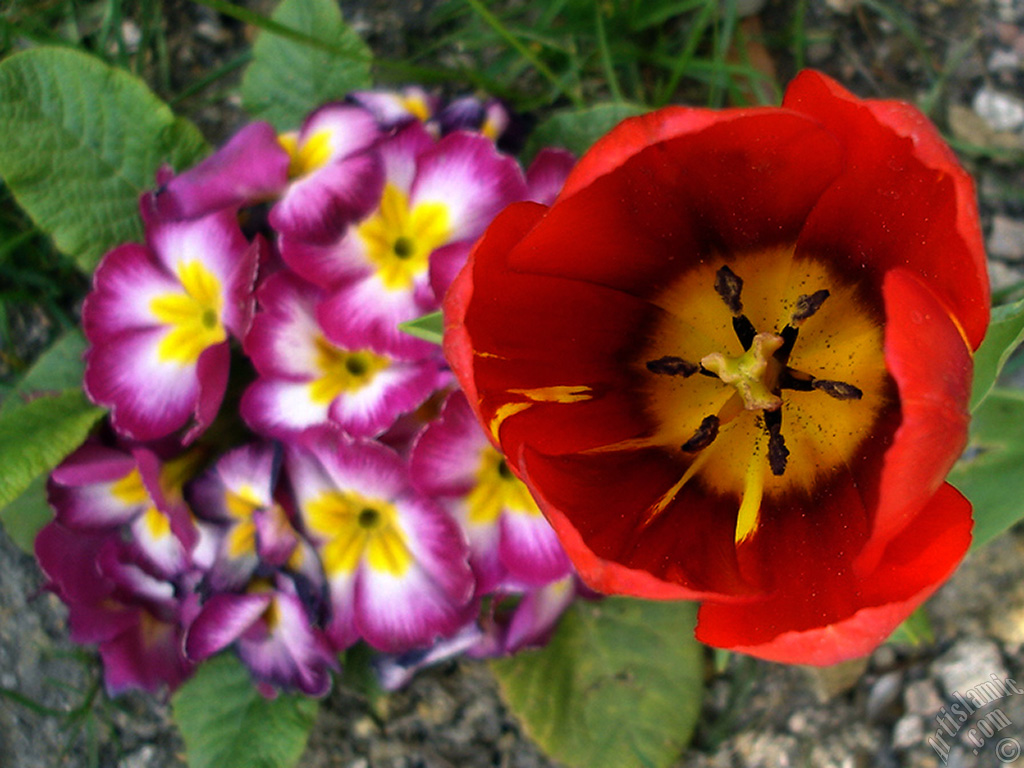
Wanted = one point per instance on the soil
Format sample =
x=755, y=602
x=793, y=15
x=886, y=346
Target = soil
x=884, y=711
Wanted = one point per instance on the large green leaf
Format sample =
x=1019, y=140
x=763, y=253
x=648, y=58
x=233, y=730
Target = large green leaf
x=1005, y=334
x=989, y=473
x=79, y=141
x=226, y=723
x=59, y=368
x=577, y=129
x=619, y=685
x=289, y=78
x=36, y=437
x=24, y=517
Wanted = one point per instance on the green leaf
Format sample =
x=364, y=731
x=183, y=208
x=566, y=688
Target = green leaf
x=24, y=517
x=989, y=472
x=619, y=685
x=79, y=141
x=36, y=437
x=226, y=723
x=429, y=327
x=59, y=368
x=915, y=630
x=287, y=79
x=1005, y=334
x=577, y=129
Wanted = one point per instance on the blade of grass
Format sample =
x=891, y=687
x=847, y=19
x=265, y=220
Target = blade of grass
x=799, y=35
x=899, y=19
x=606, y=57
x=681, y=64
x=494, y=23
x=722, y=43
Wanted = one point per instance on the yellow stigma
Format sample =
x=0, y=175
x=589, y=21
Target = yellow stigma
x=342, y=371
x=753, y=374
x=357, y=529
x=399, y=240
x=307, y=157
x=193, y=317
x=497, y=489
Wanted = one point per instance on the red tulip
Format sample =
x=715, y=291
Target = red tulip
x=732, y=362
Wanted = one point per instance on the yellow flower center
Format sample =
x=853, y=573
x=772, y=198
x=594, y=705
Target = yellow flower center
x=766, y=373
x=342, y=371
x=130, y=490
x=358, y=529
x=193, y=317
x=307, y=157
x=399, y=240
x=240, y=506
x=497, y=489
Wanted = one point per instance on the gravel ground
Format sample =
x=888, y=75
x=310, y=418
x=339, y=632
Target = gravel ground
x=885, y=711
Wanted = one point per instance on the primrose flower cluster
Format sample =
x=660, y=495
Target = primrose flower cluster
x=284, y=472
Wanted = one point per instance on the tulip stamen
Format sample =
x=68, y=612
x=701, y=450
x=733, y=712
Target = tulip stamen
x=704, y=436
x=729, y=286
x=778, y=453
x=807, y=306
x=670, y=365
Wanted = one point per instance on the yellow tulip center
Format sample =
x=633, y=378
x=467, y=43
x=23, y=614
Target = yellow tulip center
x=766, y=373
x=193, y=317
x=400, y=239
x=357, y=529
x=497, y=489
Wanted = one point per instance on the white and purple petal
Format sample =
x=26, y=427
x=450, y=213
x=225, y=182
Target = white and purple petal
x=96, y=487
x=471, y=178
x=250, y=168
x=223, y=619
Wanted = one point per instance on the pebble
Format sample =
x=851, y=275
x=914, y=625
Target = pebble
x=908, y=731
x=883, y=695
x=968, y=663
x=1001, y=111
x=1006, y=240
x=922, y=698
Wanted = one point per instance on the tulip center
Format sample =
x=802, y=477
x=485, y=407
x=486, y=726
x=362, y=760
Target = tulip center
x=766, y=375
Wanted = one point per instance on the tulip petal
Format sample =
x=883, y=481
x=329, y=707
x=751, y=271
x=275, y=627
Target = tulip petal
x=902, y=199
x=795, y=627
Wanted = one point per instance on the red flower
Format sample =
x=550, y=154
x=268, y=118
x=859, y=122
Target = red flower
x=732, y=362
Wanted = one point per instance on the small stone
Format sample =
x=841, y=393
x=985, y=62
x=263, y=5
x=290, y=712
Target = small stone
x=797, y=722
x=1000, y=111
x=1004, y=60
x=969, y=663
x=1002, y=275
x=883, y=695
x=908, y=731
x=884, y=658
x=364, y=728
x=844, y=7
x=1006, y=240
x=922, y=698
x=139, y=759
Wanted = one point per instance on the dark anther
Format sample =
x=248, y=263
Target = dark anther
x=838, y=389
x=806, y=305
x=729, y=286
x=745, y=330
x=672, y=366
x=778, y=453
x=704, y=436
x=503, y=471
